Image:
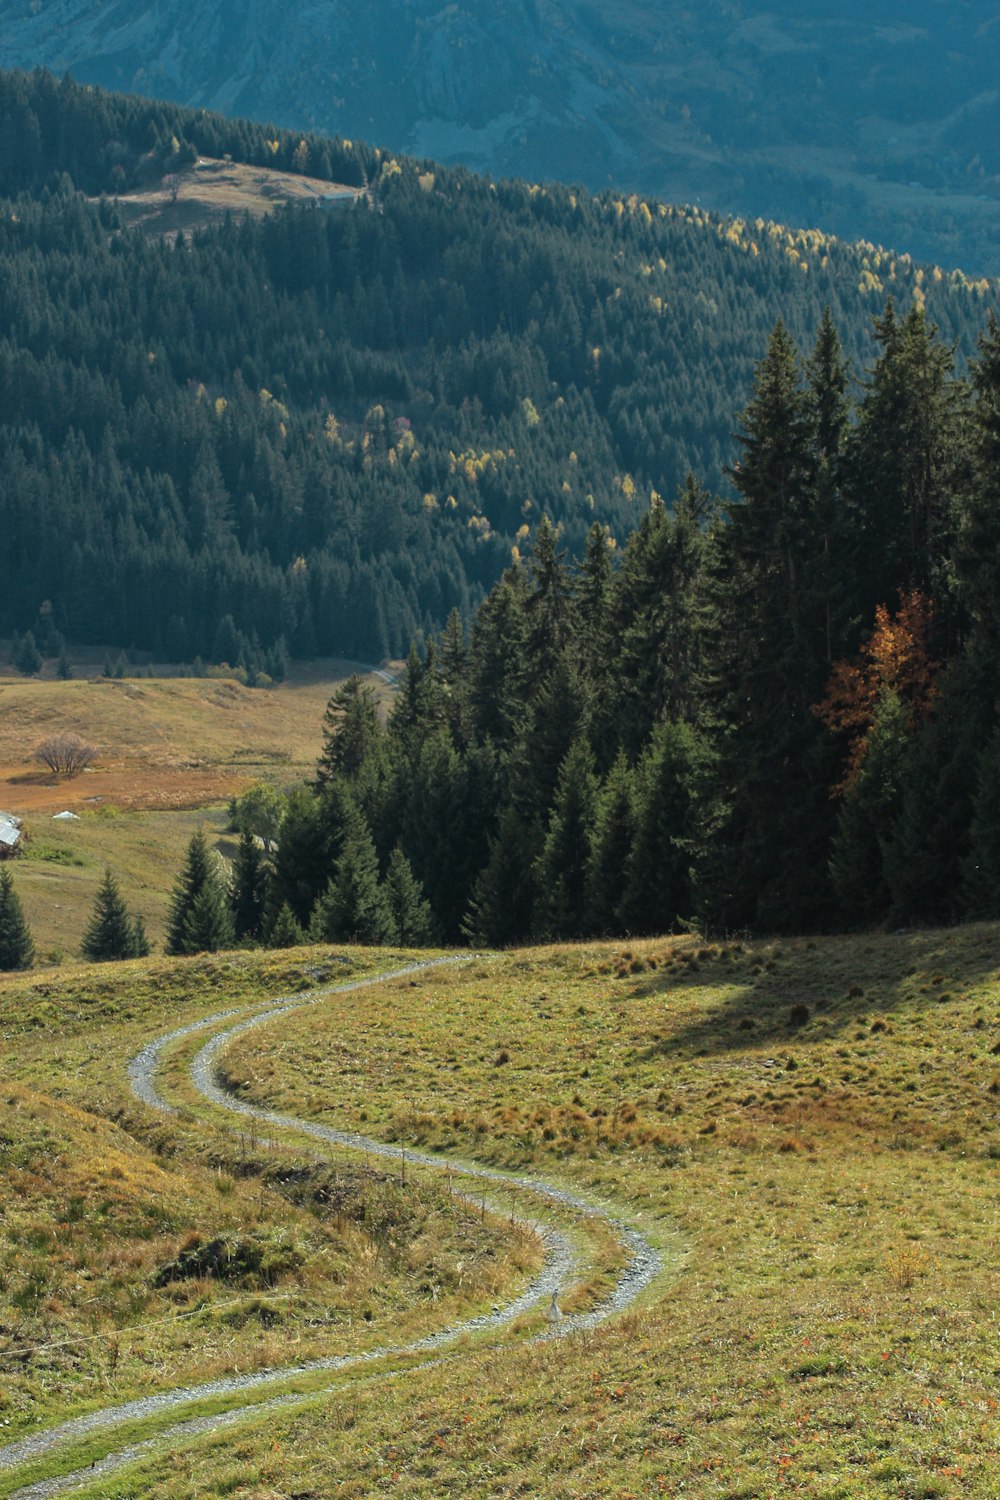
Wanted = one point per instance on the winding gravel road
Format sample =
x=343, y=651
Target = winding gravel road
x=562, y=1259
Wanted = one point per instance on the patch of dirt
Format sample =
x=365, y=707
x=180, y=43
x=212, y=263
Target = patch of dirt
x=24, y=791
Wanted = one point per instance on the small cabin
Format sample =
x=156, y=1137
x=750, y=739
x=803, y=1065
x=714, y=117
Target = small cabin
x=11, y=833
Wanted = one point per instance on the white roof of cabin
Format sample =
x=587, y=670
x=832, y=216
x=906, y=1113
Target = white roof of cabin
x=10, y=831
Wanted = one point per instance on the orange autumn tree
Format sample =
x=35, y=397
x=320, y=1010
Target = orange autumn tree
x=895, y=659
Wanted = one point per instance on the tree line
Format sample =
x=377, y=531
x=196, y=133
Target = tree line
x=778, y=713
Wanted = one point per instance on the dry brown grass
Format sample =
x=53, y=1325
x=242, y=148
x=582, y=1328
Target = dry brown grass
x=211, y=189
x=168, y=750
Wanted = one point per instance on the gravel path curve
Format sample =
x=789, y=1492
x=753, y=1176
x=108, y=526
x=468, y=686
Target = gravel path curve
x=561, y=1259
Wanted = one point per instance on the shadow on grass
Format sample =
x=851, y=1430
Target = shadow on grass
x=817, y=988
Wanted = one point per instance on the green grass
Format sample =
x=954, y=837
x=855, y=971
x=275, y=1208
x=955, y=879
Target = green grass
x=815, y=1124
x=110, y=1282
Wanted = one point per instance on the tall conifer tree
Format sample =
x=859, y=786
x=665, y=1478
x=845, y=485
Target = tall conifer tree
x=562, y=866
x=766, y=651
x=17, y=950
x=113, y=932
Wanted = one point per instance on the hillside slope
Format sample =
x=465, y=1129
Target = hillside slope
x=333, y=427
x=881, y=123
x=809, y=1130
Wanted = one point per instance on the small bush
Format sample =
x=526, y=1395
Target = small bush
x=64, y=754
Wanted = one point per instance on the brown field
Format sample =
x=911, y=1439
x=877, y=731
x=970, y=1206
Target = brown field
x=171, y=752
x=206, y=192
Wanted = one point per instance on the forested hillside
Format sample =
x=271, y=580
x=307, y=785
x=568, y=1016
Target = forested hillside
x=331, y=427
x=779, y=714
x=874, y=122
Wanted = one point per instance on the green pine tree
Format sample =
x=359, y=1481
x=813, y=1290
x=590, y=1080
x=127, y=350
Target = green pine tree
x=354, y=907
x=977, y=554
x=769, y=767
x=352, y=733
x=140, y=938
x=563, y=864
x=411, y=911
x=502, y=904
x=198, y=885
x=903, y=463
x=17, y=951
x=610, y=849
x=208, y=924
x=286, y=931
x=25, y=654
x=657, y=890
x=868, y=816
x=927, y=851
x=112, y=933
x=248, y=889
x=836, y=563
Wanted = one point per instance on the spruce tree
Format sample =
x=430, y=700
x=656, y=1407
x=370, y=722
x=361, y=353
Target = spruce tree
x=25, y=654
x=503, y=898
x=561, y=872
x=978, y=543
x=354, y=908
x=765, y=648
x=452, y=671
x=113, y=933
x=140, y=938
x=199, y=917
x=208, y=924
x=827, y=378
x=657, y=890
x=352, y=734
x=307, y=844
x=411, y=912
x=497, y=658
x=902, y=463
x=654, y=622
x=551, y=722
x=248, y=889
x=17, y=951
x=547, y=610
x=610, y=848
x=928, y=847
x=867, y=818
x=285, y=930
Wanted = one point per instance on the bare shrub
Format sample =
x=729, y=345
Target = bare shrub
x=64, y=754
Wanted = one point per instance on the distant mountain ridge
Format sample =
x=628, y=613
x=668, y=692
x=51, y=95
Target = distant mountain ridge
x=879, y=123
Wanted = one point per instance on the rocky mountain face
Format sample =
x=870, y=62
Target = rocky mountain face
x=875, y=121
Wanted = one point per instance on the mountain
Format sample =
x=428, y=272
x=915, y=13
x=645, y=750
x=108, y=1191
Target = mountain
x=875, y=122
x=333, y=424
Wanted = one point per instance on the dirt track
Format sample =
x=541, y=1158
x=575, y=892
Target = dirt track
x=562, y=1262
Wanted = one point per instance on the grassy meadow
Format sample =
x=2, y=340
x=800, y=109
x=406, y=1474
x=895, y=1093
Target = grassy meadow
x=140, y=1252
x=810, y=1131
x=171, y=752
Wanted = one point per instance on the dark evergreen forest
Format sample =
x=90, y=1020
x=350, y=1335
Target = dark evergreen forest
x=325, y=430
x=778, y=713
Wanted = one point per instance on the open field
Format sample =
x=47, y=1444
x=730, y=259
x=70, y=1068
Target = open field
x=171, y=751
x=136, y=1255
x=201, y=195
x=811, y=1127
